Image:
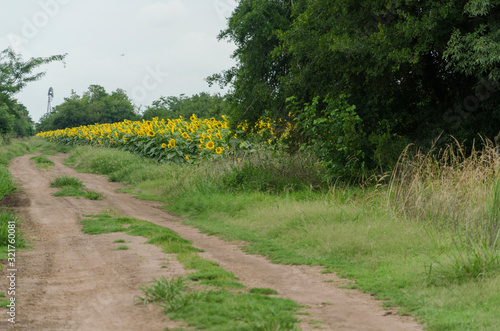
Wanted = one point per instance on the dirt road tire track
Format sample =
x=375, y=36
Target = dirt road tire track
x=73, y=281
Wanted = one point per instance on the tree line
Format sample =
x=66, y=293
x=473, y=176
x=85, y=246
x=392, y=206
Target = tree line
x=98, y=106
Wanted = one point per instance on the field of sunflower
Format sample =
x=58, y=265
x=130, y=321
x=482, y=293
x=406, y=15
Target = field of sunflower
x=165, y=140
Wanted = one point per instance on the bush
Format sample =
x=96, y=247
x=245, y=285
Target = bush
x=275, y=173
x=332, y=131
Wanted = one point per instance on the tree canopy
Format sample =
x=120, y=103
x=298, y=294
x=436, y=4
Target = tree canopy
x=15, y=74
x=412, y=69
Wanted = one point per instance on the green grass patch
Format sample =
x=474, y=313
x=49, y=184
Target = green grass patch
x=404, y=263
x=93, y=195
x=263, y=291
x=43, y=162
x=121, y=248
x=66, y=181
x=48, y=148
x=10, y=233
x=7, y=186
x=9, y=225
x=73, y=187
x=15, y=148
x=206, y=272
x=119, y=241
x=221, y=309
x=4, y=303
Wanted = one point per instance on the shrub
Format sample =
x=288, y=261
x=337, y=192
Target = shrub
x=332, y=131
x=275, y=173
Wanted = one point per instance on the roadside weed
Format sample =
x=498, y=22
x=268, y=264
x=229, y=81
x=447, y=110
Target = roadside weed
x=43, y=162
x=7, y=186
x=66, y=181
x=73, y=187
x=8, y=220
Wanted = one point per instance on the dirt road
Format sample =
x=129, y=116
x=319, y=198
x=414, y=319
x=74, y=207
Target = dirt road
x=73, y=281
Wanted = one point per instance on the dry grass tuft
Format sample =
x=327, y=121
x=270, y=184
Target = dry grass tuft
x=450, y=188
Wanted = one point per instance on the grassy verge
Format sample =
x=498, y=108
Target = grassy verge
x=416, y=263
x=7, y=186
x=73, y=187
x=7, y=152
x=48, y=148
x=10, y=233
x=221, y=304
x=43, y=162
x=18, y=147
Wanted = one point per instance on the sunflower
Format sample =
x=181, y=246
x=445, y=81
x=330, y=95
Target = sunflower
x=193, y=118
x=210, y=145
x=185, y=135
x=151, y=133
x=163, y=145
x=218, y=136
x=187, y=158
x=171, y=143
x=200, y=146
x=219, y=150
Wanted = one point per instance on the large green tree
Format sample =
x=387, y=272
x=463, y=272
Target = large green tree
x=256, y=79
x=388, y=56
x=474, y=50
x=15, y=74
x=412, y=70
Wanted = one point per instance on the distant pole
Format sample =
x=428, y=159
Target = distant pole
x=51, y=96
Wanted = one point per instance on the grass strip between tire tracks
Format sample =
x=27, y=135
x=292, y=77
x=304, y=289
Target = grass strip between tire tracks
x=209, y=297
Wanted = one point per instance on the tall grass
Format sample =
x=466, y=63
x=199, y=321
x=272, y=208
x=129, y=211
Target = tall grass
x=458, y=192
x=8, y=150
x=6, y=184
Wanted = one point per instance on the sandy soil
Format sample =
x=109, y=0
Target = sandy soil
x=73, y=281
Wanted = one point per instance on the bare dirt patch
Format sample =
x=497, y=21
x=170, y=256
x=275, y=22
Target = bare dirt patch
x=73, y=281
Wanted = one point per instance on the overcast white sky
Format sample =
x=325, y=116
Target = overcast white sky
x=149, y=48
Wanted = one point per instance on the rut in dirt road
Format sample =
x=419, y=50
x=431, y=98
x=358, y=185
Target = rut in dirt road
x=73, y=281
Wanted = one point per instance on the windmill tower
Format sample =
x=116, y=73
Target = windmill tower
x=51, y=96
